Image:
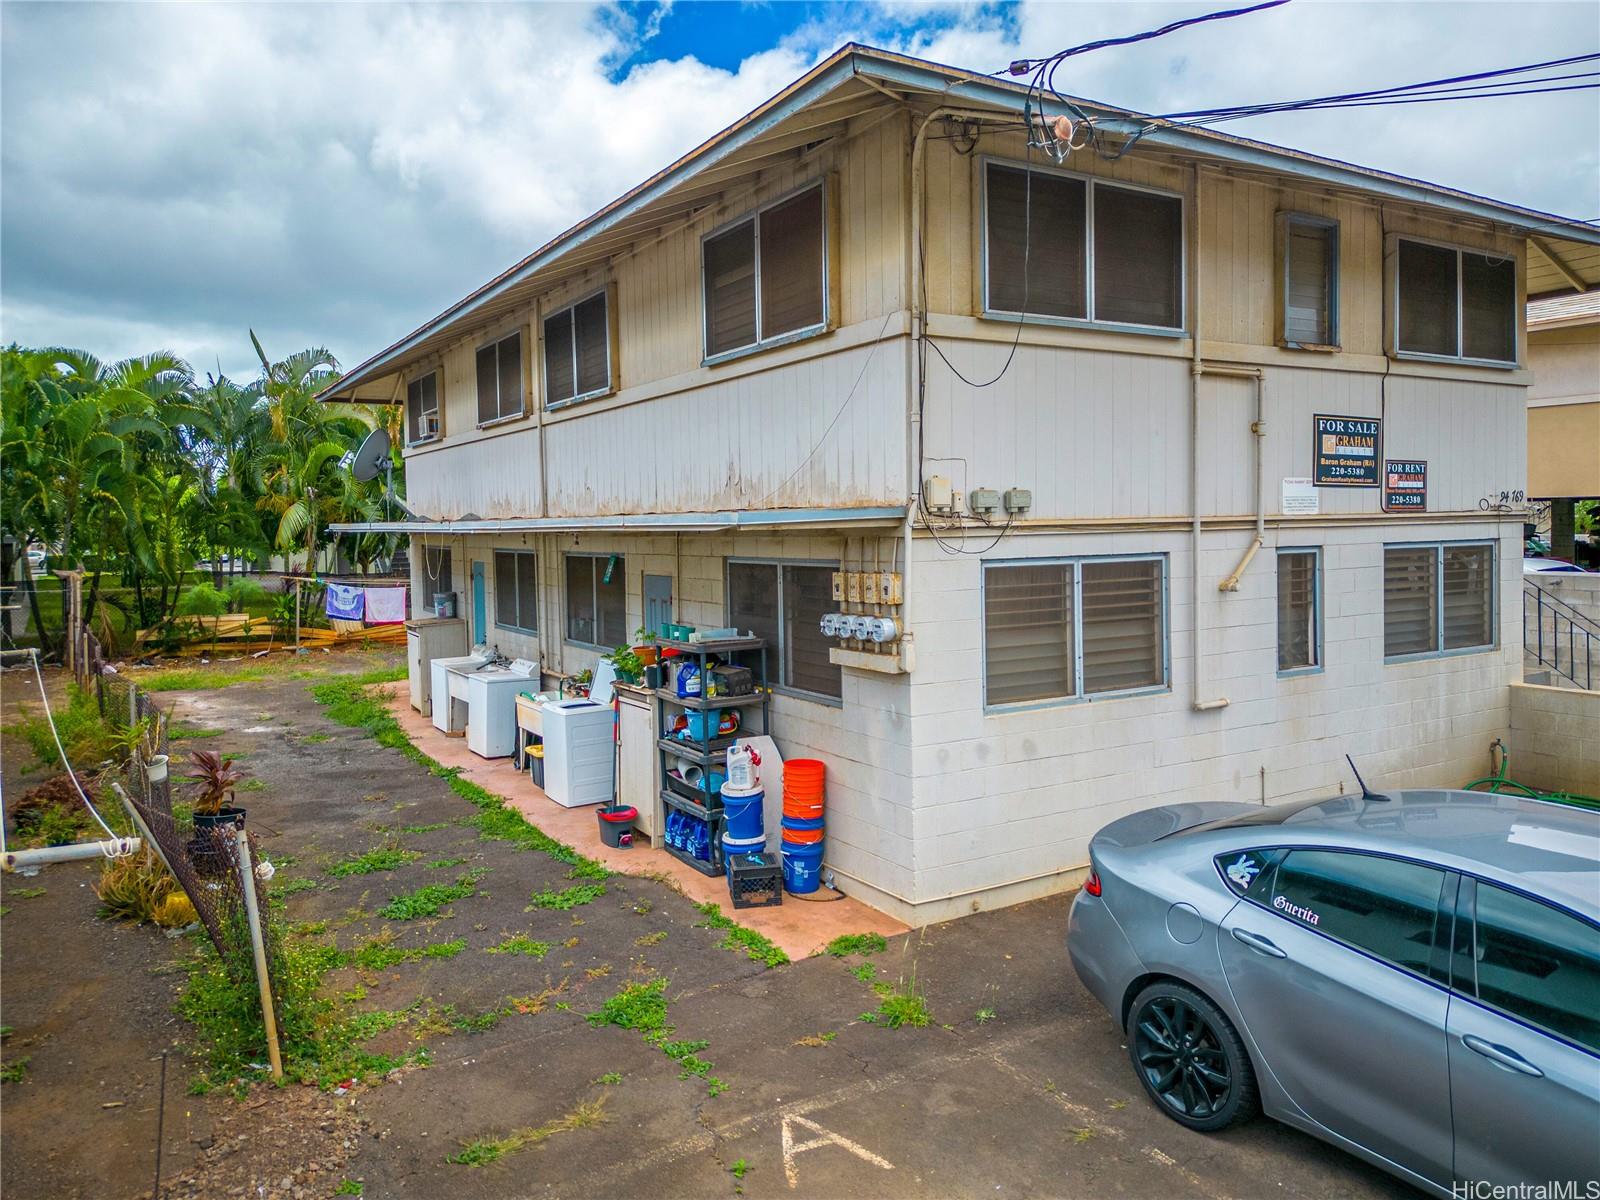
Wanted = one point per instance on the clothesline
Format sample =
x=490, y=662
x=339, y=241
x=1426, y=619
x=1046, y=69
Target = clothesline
x=373, y=605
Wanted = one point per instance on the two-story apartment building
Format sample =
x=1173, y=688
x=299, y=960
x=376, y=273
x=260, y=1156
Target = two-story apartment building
x=1175, y=459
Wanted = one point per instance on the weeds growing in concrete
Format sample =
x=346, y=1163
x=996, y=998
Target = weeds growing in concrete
x=856, y=943
x=568, y=898
x=755, y=945
x=482, y=1151
x=521, y=944
x=386, y=858
x=429, y=899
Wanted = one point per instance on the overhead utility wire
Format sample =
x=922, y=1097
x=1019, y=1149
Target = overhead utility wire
x=1023, y=66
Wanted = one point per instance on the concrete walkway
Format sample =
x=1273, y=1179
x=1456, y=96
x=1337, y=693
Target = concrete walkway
x=799, y=927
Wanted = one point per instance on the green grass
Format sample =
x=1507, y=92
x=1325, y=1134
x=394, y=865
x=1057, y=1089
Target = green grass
x=856, y=943
x=316, y=739
x=386, y=858
x=480, y=1152
x=290, y=886
x=643, y=1007
x=899, y=1005
x=183, y=733
x=568, y=898
x=610, y=1078
x=348, y=1187
x=651, y=939
x=864, y=972
x=15, y=1071
x=379, y=954
x=521, y=944
x=440, y=864
x=429, y=899
x=252, y=785
x=348, y=702
x=24, y=893
x=425, y=828
x=196, y=679
x=756, y=946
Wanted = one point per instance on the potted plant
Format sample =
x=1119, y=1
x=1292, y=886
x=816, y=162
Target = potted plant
x=627, y=663
x=212, y=779
x=645, y=649
x=578, y=685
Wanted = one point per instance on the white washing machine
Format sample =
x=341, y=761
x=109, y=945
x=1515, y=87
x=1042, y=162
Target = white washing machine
x=492, y=706
x=450, y=708
x=578, y=752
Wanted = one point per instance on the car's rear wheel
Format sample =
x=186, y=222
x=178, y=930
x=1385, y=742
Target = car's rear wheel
x=1189, y=1058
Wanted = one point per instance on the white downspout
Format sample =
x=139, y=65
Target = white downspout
x=1196, y=369
x=1258, y=427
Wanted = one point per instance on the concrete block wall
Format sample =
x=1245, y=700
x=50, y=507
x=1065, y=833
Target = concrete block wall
x=1006, y=800
x=1555, y=738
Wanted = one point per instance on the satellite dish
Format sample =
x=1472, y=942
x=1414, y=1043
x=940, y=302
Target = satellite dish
x=372, y=457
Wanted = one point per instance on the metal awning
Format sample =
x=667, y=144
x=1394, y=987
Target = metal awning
x=692, y=522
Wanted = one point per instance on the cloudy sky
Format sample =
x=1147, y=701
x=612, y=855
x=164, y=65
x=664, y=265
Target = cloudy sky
x=335, y=174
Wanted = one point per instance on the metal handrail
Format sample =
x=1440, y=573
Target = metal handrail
x=1581, y=634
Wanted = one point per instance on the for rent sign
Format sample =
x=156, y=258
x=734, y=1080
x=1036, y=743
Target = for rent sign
x=1405, y=485
x=1346, y=451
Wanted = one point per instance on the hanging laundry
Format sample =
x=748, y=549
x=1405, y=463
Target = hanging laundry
x=386, y=606
x=346, y=603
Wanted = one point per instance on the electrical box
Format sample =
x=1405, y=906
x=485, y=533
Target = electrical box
x=889, y=591
x=936, y=495
x=1017, y=500
x=983, y=502
x=838, y=587
x=852, y=587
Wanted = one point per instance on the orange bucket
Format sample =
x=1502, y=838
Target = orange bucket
x=802, y=837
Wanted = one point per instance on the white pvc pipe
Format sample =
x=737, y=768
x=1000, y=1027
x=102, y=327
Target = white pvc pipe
x=16, y=860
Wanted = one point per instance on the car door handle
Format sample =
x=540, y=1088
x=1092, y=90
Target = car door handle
x=1499, y=1054
x=1259, y=944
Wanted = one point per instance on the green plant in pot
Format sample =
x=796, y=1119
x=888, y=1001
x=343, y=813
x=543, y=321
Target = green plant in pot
x=644, y=647
x=628, y=665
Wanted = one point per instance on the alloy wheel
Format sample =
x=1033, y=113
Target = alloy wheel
x=1181, y=1058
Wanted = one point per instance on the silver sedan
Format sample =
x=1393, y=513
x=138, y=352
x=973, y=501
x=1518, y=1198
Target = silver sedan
x=1414, y=978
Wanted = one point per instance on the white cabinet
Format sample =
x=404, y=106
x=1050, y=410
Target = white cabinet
x=426, y=640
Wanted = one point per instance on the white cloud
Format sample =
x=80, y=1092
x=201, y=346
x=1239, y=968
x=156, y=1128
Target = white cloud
x=340, y=173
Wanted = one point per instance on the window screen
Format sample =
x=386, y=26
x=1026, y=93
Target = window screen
x=577, y=351
x=1297, y=610
x=730, y=289
x=783, y=604
x=1427, y=299
x=1538, y=963
x=1488, y=307
x=1310, y=267
x=1380, y=905
x=792, y=265
x=1410, y=600
x=1468, y=596
x=1054, y=216
x=516, y=590
x=422, y=407
x=596, y=604
x=1138, y=257
x=1122, y=625
x=500, y=379
x=1028, y=632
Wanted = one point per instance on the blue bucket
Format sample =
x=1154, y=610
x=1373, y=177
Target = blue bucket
x=743, y=813
x=802, y=867
x=733, y=847
x=801, y=825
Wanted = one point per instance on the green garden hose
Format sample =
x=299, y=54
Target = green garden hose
x=1501, y=784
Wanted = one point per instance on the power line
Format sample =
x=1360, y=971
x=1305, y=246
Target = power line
x=1023, y=66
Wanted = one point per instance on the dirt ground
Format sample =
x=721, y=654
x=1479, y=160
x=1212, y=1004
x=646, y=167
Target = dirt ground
x=1018, y=1085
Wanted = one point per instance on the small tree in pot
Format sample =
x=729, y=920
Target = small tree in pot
x=212, y=779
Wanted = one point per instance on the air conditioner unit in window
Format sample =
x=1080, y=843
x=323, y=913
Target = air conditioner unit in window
x=430, y=425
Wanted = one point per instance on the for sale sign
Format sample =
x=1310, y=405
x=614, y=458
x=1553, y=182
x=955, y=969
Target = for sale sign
x=1346, y=451
x=1405, y=485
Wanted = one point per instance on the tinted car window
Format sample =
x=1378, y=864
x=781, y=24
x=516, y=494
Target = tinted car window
x=1381, y=905
x=1538, y=963
x=1248, y=872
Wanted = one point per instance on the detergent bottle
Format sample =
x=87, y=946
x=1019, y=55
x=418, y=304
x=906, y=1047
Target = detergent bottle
x=743, y=764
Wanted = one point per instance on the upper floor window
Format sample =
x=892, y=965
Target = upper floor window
x=1073, y=248
x=500, y=379
x=597, y=600
x=783, y=604
x=422, y=408
x=577, y=351
x=1437, y=599
x=516, y=590
x=1454, y=303
x=1309, y=259
x=1299, y=610
x=1056, y=630
x=765, y=278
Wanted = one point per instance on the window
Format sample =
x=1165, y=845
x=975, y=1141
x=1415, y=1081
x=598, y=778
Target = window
x=422, y=408
x=500, y=379
x=436, y=575
x=766, y=277
x=1299, y=610
x=1382, y=906
x=1538, y=964
x=577, y=352
x=1081, y=627
x=1249, y=872
x=1420, y=616
x=1094, y=251
x=596, y=600
x=1310, y=262
x=783, y=604
x=1455, y=303
x=516, y=590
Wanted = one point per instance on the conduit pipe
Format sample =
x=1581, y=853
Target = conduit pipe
x=1258, y=427
x=1196, y=369
x=919, y=320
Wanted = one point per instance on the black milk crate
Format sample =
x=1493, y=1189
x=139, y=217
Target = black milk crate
x=732, y=681
x=755, y=880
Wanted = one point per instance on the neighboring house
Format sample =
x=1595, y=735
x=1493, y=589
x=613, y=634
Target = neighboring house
x=1564, y=408
x=741, y=377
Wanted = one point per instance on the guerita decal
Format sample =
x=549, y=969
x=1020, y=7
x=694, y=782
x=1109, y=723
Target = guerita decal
x=1284, y=905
